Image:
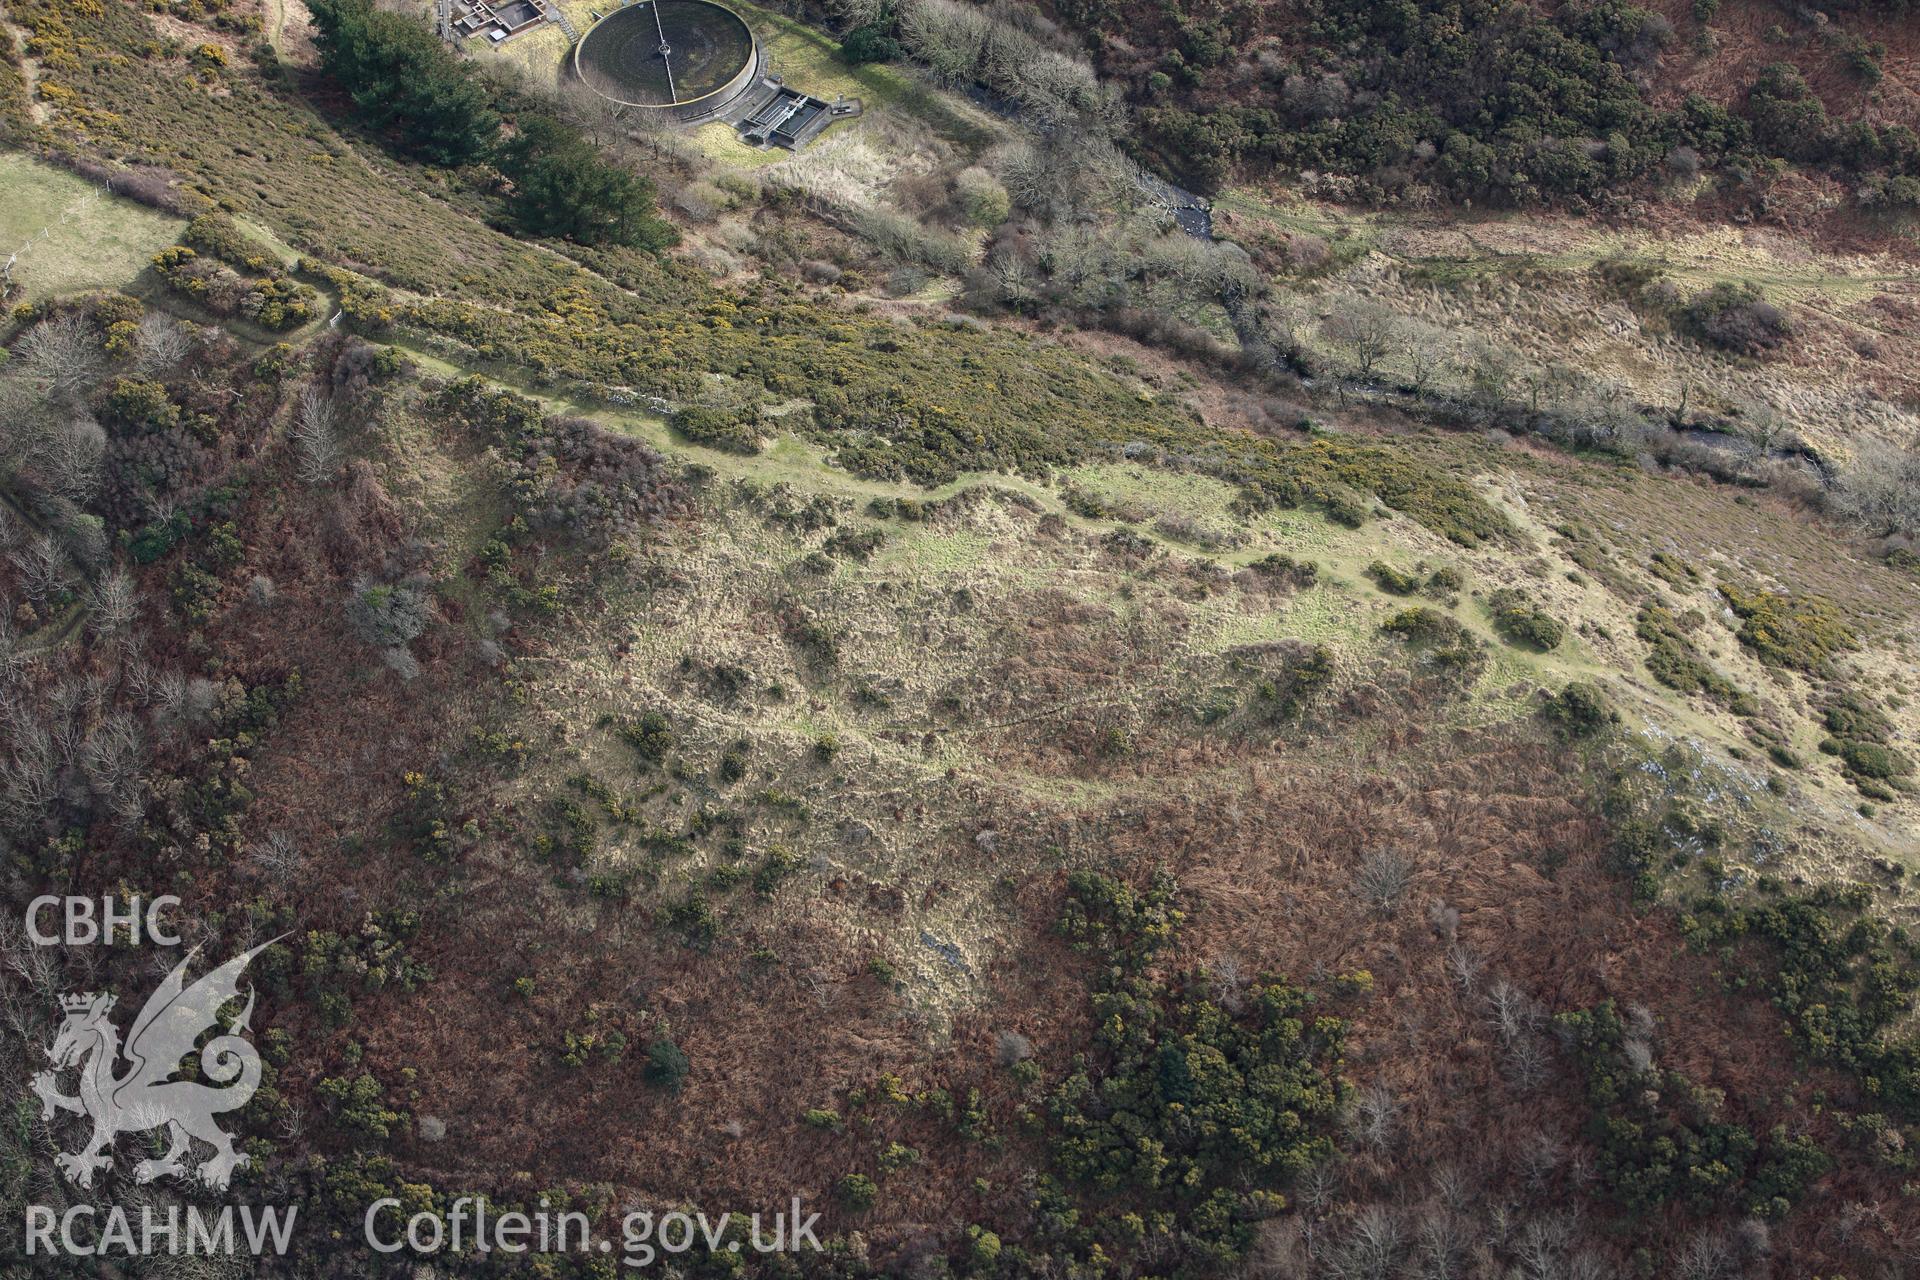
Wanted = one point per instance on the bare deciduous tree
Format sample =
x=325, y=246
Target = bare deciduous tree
x=1491, y=369
x=1366, y=329
x=1706, y=1257
x=1426, y=348
x=141, y=680
x=315, y=436
x=1541, y=1156
x=1585, y=1264
x=1280, y=1250
x=161, y=344
x=950, y=38
x=62, y=354
x=1513, y=1011
x=30, y=777
x=1067, y=175
x=1375, y=1117
x=113, y=602
x=112, y=758
x=1287, y=319
x=41, y=568
x=1319, y=1186
x=69, y=458
x=1463, y=966
x=1526, y=1060
x=1442, y=1245
x=277, y=855
x=1542, y=1247
x=1881, y=490
x=1383, y=878
x=1227, y=983
x=1371, y=1247
x=169, y=696
x=1015, y=282
x=35, y=965
x=1054, y=87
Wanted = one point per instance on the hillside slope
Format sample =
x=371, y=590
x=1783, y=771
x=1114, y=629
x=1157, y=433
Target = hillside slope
x=935, y=713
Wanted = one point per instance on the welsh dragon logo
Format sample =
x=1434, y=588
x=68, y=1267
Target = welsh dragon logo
x=146, y=1096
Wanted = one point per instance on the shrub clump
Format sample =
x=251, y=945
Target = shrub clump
x=1861, y=737
x=981, y=197
x=1184, y=1103
x=1286, y=570
x=1449, y=645
x=275, y=301
x=568, y=474
x=1803, y=632
x=388, y=615
x=1661, y=1136
x=220, y=236
x=1519, y=621
x=667, y=1065
x=1580, y=710
x=650, y=734
x=1675, y=662
x=853, y=544
x=1391, y=580
x=887, y=403
x=733, y=430
x=1734, y=317
x=1303, y=677
x=1441, y=584
x=858, y=1192
x=1426, y=625
x=1673, y=571
x=1844, y=979
x=587, y=481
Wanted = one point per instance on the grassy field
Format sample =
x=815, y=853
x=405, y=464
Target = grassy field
x=1528, y=282
x=809, y=60
x=1191, y=521
x=1345, y=611
x=1501, y=243
x=95, y=241
x=66, y=236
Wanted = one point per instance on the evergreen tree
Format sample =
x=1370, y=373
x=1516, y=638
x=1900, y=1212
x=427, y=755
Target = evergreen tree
x=404, y=81
x=562, y=187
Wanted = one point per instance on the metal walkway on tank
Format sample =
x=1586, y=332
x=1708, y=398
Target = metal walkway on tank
x=796, y=121
x=773, y=114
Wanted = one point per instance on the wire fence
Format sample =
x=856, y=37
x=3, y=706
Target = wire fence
x=67, y=215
